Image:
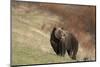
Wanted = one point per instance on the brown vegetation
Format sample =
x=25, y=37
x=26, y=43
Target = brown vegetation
x=80, y=20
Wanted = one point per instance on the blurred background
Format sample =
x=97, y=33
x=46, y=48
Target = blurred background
x=32, y=23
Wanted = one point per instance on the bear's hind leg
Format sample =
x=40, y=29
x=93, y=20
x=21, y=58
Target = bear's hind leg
x=71, y=54
x=75, y=53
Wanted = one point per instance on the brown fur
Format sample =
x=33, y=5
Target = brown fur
x=62, y=41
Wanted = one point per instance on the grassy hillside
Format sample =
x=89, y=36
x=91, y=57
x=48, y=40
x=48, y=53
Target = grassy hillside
x=31, y=44
x=31, y=27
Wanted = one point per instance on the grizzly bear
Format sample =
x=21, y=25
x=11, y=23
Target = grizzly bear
x=62, y=41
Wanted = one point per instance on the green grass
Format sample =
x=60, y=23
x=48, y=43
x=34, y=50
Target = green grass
x=30, y=44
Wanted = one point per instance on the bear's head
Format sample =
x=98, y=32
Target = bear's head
x=59, y=33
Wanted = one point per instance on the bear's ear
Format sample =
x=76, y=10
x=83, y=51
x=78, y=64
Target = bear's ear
x=54, y=28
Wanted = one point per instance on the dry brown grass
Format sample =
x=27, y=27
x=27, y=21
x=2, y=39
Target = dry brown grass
x=33, y=23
